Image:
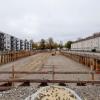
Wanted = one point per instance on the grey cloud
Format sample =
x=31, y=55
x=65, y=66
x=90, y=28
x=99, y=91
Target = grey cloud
x=60, y=19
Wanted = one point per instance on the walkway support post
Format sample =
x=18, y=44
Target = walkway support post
x=13, y=75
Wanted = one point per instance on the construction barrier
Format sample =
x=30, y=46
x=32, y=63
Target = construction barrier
x=6, y=57
x=91, y=61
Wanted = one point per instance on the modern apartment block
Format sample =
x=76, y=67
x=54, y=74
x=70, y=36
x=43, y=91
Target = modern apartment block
x=26, y=45
x=2, y=41
x=17, y=44
x=91, y=43
x=30, y=44
x=11, y=43
x=22, y=45
x=7, y=42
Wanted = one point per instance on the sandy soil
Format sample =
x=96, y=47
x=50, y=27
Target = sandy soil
x=55, y=93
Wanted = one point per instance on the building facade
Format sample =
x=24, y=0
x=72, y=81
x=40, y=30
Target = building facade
x=26, y=45
x=7, y=42
x=11, y=43
x=30, y=44
x=22, y=45
x=17, y=44
x=88, y=44
x=2, y=41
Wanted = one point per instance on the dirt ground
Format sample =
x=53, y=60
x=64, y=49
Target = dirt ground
x=62, y=63
x=45, y=62
x=32, y=63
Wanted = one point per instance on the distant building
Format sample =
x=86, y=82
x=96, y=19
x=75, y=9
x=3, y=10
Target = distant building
x=26, y=45
x=22, y=45
x=7, y=42
x=87, y=44
x=17, y=44
x=11, y=43
x=2, y=41
x=30, y=44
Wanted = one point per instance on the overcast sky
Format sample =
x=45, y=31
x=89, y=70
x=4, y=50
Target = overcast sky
x=61, y=19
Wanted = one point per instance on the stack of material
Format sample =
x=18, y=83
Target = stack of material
x=55, y=93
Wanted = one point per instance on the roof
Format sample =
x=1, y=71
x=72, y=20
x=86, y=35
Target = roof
x=95, y=35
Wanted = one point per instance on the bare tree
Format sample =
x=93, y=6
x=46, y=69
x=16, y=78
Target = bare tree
x=42, y=44
x=50, y=43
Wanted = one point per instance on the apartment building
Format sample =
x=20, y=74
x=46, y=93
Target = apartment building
x=11, y=43
x=17, y=44
x=87, y=44
x=26, y=45
x=22, y=45
x=1, y=41
x=7, y=42
x=30, y=44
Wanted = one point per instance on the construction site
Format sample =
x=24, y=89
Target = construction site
x=49, y=50
x=32, y=70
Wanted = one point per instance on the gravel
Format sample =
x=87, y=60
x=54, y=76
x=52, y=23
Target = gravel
x=85, y=92
x=17, y=93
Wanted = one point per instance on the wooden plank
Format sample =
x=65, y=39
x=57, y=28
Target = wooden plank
x=49, y=81
x=49, y=72
x=6, y=57
x=82, y=55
